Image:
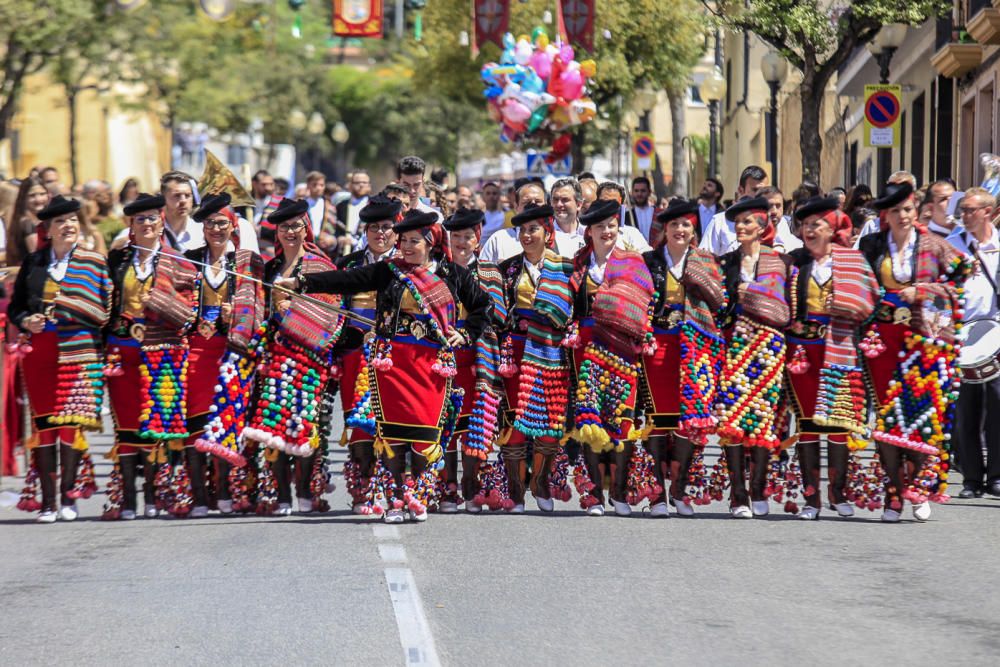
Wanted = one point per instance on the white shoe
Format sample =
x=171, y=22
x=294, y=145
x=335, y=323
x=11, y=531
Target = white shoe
x=844, y=509
x=305, y=505
x=922, y=511
x=740, y=512
x=225, y=506
x=595, y=510
x=447, y=507
x=150, y=512
x=394, y=516
x=545, y=504
x=660, y=511
x=471, y=508
x=419, y=518
x=127, y=515
x=621, y=509
x=808, y=513
x=683, y=508
x=46, y=516
x=760, y=507
x=68, y=513
x=890, y=516
x=358, y=509
x=284, y=509
x=517, y=509
x=198, y=512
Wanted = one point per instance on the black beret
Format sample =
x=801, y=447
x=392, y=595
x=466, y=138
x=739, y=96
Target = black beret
x=415, y=219
x=532, y=212
x=464, y=218
x=380, y=208
x=288, y=209
x=747, y=204
x=893, y=194
x=211, y=205
x=57, y=206
x=678, y=207
x=599, y=211
x=145, y=202
x=816, y=205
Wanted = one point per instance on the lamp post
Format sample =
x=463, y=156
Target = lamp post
x=773, y=67
x=883, y=47
x=712, y=89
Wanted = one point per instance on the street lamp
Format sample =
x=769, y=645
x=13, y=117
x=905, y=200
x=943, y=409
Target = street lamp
x=774, y=68
x=316, y=124
x=884, y=46
x=712, y=89
x=340, y=132
x=297, y=120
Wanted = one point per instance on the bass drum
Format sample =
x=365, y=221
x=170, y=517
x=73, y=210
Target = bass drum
x=980, y=346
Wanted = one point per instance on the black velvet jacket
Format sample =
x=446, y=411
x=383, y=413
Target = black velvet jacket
x=464, y=287
x=29, y=288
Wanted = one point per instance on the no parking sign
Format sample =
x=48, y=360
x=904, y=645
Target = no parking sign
x=643, y=151
x=883, y=104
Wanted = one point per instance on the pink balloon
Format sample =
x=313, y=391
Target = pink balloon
x=542, y=63
x=572, y=84
x=515, y=113
x=566, y=53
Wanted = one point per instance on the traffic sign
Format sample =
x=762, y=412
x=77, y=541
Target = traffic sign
x=882, y=109
x=537, y=166
x=643, y=151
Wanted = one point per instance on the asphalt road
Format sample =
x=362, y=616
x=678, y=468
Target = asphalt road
x=497, y=590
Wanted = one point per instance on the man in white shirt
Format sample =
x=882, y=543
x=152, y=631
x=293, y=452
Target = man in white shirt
x=410, y=172
x=504, y=243
x=784, y=239
x=322, y=217
x=262, y=187
x=182, y=232
x=349, y=210
x=493, y=212
x=977, y=417
x=720, y=235
x=708, y=201
x=642, y=213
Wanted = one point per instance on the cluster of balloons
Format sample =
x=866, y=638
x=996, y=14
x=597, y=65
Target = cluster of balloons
x=538, y=91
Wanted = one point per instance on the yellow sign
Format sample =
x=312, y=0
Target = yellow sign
x=883, y=105
x=643, y=152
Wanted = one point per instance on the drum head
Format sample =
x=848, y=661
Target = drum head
x=981, y=341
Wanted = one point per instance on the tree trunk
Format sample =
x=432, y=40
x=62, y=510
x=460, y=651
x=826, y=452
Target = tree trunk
x=678, y=128
x=810, y=137
x=71, y=105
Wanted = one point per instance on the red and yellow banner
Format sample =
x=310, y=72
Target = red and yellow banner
x=576, y=22
x=357, y=18
x=492, y=19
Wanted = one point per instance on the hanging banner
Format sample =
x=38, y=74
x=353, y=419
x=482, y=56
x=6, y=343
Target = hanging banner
x=576, y=23
x=492, y=19
x=357, y=18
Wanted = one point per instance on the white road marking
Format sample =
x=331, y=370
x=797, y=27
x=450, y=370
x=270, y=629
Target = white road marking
x=392, y=553
x=414, y=632
x=385, y=532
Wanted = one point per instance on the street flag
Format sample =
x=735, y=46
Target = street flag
x=576, y=23
x=492, y=19
x=357, y=18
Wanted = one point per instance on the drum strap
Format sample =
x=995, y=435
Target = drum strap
x=995, y=279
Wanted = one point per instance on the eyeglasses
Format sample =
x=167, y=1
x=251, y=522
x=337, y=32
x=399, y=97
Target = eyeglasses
x=143, y=219
x=380, y=229
x=969, y=210
x=216, y=224
x=293, y=227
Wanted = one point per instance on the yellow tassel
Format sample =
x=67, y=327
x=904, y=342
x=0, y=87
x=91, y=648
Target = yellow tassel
x=271, y=455
x=382, y=448
x=343, y=438
x=636, y=434
x=176, y=445
x=314, y=438
x=32, y=441
x=504, y=436
x=112, y=454
x=434, y=454
x=80, y=441
x=785, y=444
x=856, y=443
x=563, y=440
x=647, y=429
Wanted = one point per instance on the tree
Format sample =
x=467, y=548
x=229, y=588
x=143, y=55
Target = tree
x=32, y=33
x=652, y=43
x=817, y=42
